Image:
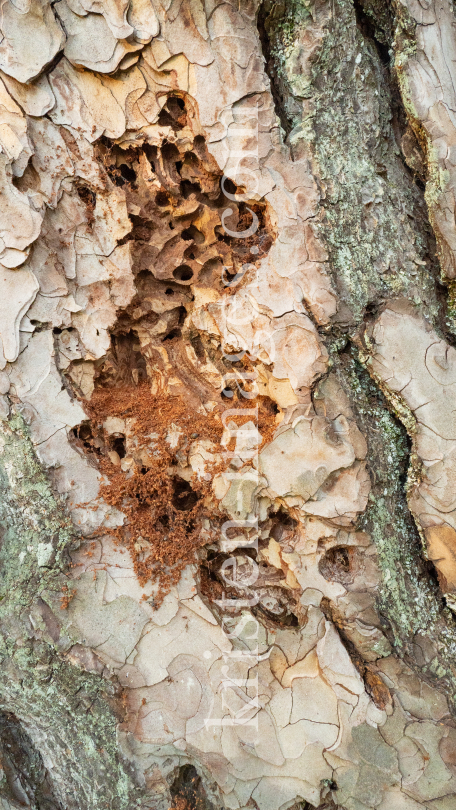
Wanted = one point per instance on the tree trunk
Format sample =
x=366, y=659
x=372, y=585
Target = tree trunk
x=227, y=396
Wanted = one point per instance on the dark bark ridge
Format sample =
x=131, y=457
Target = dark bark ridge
x=375, y=224
x=50, y=705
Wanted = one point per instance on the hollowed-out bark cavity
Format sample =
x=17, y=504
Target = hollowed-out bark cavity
x=150, y=387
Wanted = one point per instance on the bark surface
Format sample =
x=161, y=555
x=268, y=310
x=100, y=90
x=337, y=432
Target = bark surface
x=227, y=404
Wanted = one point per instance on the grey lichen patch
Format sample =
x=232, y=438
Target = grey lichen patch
x=345, y=101
x=409, y=598
x=69, y=713
x=281, y=25
x=375, y=220
x=374, y=223
x=35, y=529
x=416, y=55
x=73, y=724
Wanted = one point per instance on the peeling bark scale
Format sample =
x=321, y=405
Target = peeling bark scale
x=227, y=404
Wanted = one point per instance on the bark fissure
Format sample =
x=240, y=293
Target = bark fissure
x=283, y=15
x=344, y=150
x=409, y=598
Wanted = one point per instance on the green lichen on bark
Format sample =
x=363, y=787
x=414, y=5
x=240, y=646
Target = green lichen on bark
x=405, y=48
x=374, y=223
x=68, y=713
x=279, y=24
x=409, y=597
x=378, y=15
x=35, y=528
x=375, y=220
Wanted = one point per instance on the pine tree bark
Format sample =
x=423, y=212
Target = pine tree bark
x=227, y=385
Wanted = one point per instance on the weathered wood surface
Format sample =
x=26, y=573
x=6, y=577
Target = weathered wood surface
x=227, y=398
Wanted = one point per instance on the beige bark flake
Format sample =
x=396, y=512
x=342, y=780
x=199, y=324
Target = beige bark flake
x=31, y=38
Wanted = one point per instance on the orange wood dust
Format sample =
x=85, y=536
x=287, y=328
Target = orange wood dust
x=163, y=513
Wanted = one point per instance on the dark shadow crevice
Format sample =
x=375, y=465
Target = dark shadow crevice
x=26, y=781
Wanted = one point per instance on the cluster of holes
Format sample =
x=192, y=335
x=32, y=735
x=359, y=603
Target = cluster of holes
x=278, y=605
x=158, y=181
x=177, y=240
x=163, y=511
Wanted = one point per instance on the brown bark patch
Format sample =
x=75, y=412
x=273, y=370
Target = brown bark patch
x=441, y=542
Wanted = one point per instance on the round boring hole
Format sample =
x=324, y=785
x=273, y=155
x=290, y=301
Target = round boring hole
x=162, y=198
x=183, y=273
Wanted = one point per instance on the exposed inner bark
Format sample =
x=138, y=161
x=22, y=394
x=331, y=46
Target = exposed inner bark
x=177, y=205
